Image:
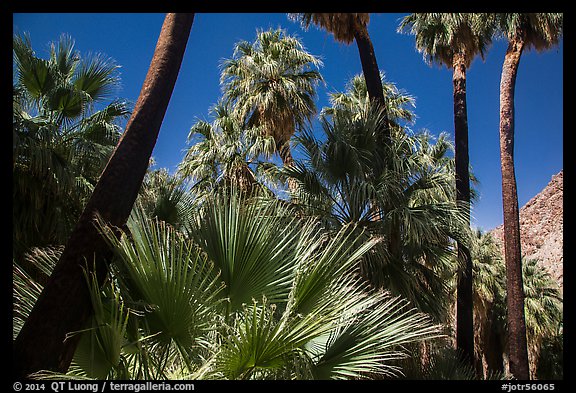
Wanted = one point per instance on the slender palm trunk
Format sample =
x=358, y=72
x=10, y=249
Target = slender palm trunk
x=45, y=341
x=371, y=71
x=464, y=306
x=282, y=139
x=493, y=353
x=512, y=253
x=285, y=154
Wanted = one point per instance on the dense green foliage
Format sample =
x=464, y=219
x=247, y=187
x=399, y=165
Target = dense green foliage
x=340, y=264
x=61, y=139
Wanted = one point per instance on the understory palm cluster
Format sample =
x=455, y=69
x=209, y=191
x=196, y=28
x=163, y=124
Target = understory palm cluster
x=243, y=291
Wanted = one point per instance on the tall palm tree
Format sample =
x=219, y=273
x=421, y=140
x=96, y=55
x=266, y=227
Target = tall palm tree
x=61, y=142
x=64, y=304
x=539, y=31
x=454, y=40
x=271, y=83
x=344, y=179
x=348, y=27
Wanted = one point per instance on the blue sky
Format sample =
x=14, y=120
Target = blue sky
x=130, y=40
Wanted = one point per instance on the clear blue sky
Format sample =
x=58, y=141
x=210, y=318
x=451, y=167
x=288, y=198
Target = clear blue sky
x=130, y=40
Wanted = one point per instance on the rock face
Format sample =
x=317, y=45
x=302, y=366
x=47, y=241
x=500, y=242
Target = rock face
x=541, y=228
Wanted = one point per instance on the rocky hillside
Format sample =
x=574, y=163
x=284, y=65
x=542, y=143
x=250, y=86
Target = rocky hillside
x=541, y=228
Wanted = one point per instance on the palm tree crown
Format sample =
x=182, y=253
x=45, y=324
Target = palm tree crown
x=224, y=152
x=271, y=83
x=441, y=36
x=341, y=25
x=539, y=31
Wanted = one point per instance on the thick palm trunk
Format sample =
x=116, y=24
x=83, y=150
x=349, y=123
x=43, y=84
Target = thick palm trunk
x=64, y=306
x=371, y=71
x=512, y=254
x=464, y=306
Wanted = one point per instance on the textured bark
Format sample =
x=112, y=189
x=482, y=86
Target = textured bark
x=285, y=154
x=464, y=306
x=371, y=71
x=517, y=342
x=44, y=343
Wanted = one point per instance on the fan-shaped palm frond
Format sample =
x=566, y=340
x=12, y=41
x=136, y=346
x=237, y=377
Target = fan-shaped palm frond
x=250, y=244
x=168, y=274
x=250, y=292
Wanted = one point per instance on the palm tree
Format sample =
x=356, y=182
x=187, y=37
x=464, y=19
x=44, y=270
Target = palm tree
x=489, y=312
x=540, y=31
x=64, y=304
x=61, y=142
x=345, y=180
x=348, y=27
x=225, y=153
x=271, y=83
x=454, y=40
x=543, y=305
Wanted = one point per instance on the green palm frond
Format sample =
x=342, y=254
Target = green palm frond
x=28, y=276
x=442, y=36
x=99, y=351
x=25, y=292
x=398, y=102
x=271, y=83
x=254, y=346
x=167, y=273
x=401, y=191
x=249, y=244
x=372, y=342
x=96, y=77
x=225, y=152
x=539, y=31
x=61, y=143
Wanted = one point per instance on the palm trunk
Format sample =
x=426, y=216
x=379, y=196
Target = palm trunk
x=371, y=71
x=287, y=160
x=282, y=131
x=464, y=306
x=375, y=91
x=512, y=254
x=493, y=355
x=64, y=305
